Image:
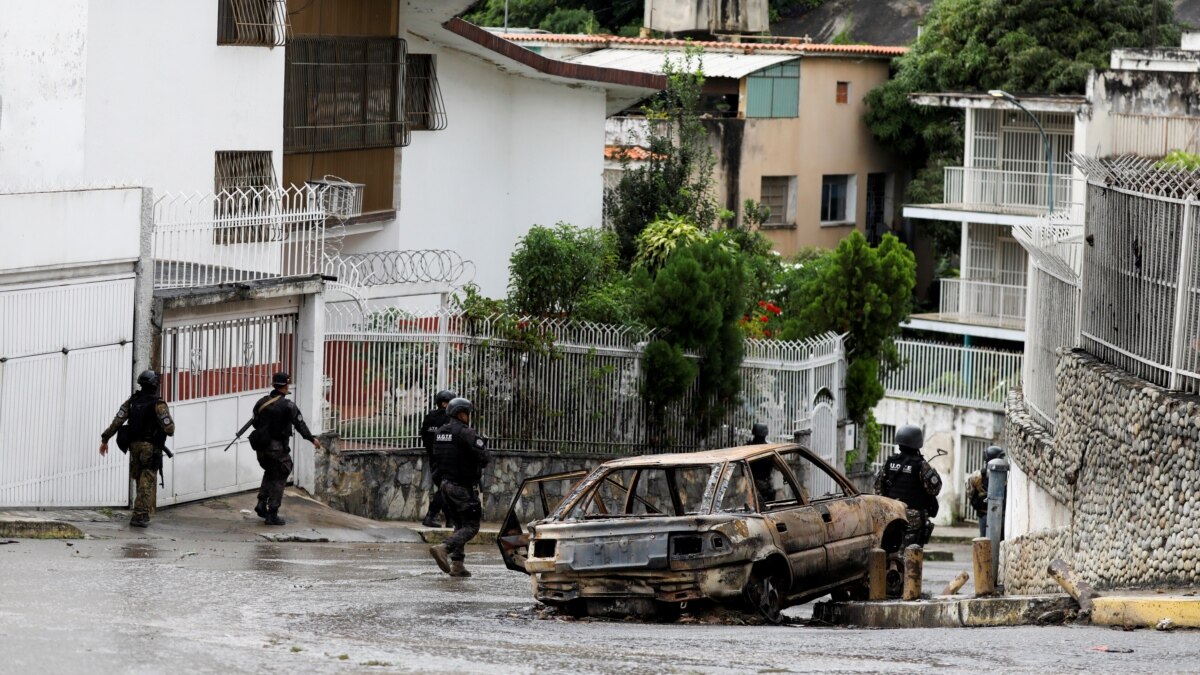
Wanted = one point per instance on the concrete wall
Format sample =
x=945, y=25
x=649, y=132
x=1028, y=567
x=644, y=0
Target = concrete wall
x=944, y=427
x=129, y=92
x=1115, y=492
x=516, y=153
x=391, y=484
x=68, y=229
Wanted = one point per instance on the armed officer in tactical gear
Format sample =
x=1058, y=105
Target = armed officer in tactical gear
x=150, y=423
x=907, y=477
x=459, y=457
x=274, y=419
x=433, y=421
x=758, y=434
x=977, y=488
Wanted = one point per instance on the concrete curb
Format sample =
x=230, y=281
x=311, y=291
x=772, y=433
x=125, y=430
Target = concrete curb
x=18, y=527
x=942, y=612
x=438, y=535
x=1146, y=611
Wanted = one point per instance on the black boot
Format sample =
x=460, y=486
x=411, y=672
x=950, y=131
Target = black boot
x=261, y=507
x=430, y=521
x=274, y=519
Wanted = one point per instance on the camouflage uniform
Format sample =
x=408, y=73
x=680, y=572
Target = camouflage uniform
x=907, y=477
x=145, y=458
x=977, y=494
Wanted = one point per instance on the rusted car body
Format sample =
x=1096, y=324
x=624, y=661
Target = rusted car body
x=737, y=526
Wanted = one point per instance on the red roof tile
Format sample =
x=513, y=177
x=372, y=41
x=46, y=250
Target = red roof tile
x=793, y=44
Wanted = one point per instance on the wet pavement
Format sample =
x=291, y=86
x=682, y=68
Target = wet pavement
x=147, y=601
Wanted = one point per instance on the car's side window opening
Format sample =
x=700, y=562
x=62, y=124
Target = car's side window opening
x=648, y=491
x=815, y=480
x=737, y=496
x=774, y=486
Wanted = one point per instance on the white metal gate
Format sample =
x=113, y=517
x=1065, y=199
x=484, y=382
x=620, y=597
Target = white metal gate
x=66, y=359
x=213, y=373
x=824, y=445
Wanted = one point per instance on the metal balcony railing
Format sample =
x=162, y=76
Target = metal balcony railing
x=1006, y=191
x=236, y=236
x=983, y=302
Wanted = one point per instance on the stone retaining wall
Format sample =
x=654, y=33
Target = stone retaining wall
x=1124, y=461
x=1023, y=561
x=391, y=485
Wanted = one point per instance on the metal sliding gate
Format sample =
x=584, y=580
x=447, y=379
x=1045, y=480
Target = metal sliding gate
x=66, y=359
x=213, y=373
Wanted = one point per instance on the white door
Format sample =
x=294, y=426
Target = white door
x=66, y=365
x=213, y=374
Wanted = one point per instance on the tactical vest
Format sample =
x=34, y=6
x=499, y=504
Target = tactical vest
x=452, y=459
x=904, y=480
x=143, y=420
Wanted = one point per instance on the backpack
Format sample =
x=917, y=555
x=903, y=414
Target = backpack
x=260, y=441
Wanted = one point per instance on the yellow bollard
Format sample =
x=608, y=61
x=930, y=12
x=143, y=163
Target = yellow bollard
x=914, y=568
x=957, y=583
x=985, y=582
x=877, y=574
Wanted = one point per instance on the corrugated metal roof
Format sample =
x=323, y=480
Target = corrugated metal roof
x=651, y=61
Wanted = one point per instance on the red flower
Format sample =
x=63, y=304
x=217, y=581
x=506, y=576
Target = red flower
x=764, y=319
x=767, y=332
x=762, y=303
x=773, y=309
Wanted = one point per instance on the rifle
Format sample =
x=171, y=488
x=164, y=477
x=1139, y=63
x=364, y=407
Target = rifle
x=252, y=418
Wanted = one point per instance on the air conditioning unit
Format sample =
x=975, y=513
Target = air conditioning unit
x=337, y=197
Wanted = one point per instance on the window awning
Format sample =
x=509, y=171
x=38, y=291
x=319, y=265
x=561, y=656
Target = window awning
x=715, y=64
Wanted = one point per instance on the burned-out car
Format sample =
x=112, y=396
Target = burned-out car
x=766, y=526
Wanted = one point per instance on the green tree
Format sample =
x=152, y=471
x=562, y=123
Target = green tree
x=660, y=238
x=677, y=178
x=695, y=300
x=865, y=293
x=1015, y=45
x=554, y=270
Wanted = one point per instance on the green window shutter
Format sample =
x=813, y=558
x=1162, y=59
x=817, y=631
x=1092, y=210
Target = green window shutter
x=758, y=96
x=786, y=101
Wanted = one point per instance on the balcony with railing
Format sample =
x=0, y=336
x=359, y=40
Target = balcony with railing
x=998, y=196
x=238, y=236
x=979, y=308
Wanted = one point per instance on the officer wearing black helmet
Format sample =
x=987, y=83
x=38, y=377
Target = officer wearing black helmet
x=907, y=477
x=150, y=423
x=758, y=434
x=459, y=457
x=274, y=419
x=433, y=421
x=977, y=488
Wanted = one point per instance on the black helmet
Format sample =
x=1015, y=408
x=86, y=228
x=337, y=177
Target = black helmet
x=459, y=405
x=993, y=452
x=148, y=380
x=909, y=436
x=280, y=380
x=759, y=430
x=444, y=396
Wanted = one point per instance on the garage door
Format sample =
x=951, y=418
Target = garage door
x=66, y=363
x=213, y=373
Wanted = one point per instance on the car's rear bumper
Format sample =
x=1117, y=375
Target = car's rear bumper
x=718, y=583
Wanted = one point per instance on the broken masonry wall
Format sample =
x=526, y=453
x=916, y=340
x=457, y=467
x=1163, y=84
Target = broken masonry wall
x=390, y=484
x=1123, y=475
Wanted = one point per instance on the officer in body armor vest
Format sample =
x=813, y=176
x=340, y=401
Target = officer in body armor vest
x=274, y=418
x=758, y=434
x=459, y=457
x=149, y=421
x=433, y=421
x=977, y=488
x=907, y=477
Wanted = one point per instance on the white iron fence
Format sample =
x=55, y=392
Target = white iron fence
x=1053, y=325
x=1002, y=304
x=1140, y=302
x=996, y=189
x=556, y=386
x=238, y=235
x=970, y=377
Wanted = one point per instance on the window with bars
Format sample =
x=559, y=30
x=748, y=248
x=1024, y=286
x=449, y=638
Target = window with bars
x=843, y=92
x=344, y=93
x=777, y=194
x=423, y=108
x=252, y=23
x=242, y=181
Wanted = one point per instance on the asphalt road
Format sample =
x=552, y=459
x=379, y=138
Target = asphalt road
x=146, y=605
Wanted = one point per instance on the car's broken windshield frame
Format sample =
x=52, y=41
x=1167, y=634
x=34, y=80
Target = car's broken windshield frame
x=648, y=491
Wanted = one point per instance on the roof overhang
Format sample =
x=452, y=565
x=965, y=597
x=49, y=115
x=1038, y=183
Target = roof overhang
x=715, y=64
x=622, y=88
x=796, y=46
x=984, y=101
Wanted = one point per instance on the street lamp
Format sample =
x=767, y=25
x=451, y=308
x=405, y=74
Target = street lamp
x=1001, y=94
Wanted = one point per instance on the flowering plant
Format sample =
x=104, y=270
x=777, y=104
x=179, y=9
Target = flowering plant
x=763, y=322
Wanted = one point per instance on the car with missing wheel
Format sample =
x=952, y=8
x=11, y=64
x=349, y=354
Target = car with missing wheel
x=761, y=527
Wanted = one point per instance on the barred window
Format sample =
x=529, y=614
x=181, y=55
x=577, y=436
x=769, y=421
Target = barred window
x=344, y=94
x=252, y=23
x=423, y=108
x=243, y=185
x=777, y=193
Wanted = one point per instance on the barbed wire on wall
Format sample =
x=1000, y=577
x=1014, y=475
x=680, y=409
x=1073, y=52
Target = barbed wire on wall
x=378, y=268
x=1140, y=174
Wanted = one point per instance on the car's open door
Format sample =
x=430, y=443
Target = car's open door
x=536, y=499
